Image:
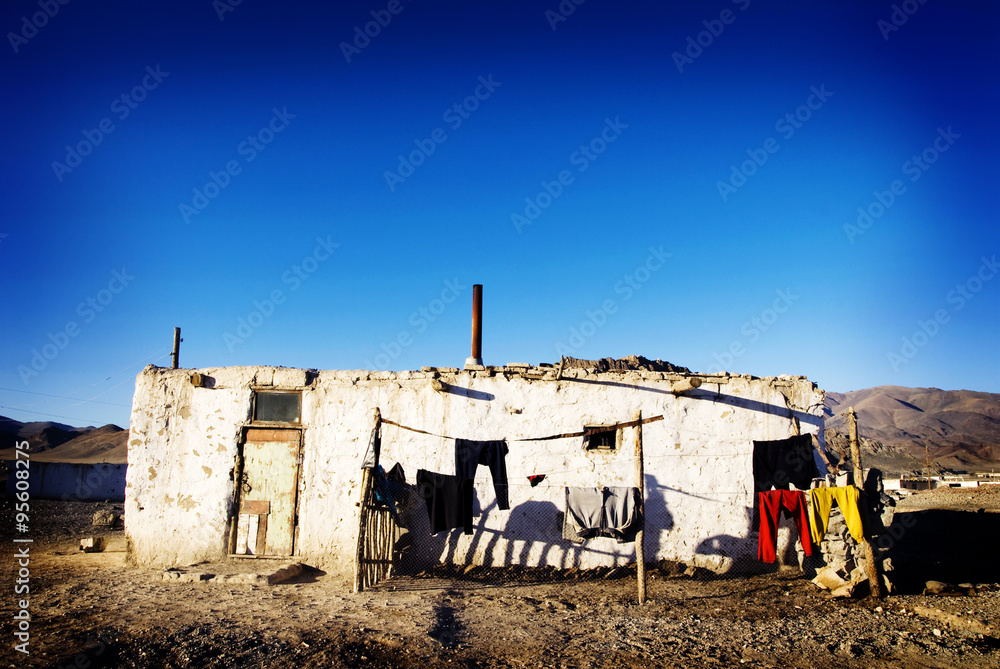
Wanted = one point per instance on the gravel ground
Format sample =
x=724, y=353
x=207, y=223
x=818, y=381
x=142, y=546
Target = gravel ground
x=92, y=610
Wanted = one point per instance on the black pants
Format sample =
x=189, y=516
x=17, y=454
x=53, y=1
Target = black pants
x=470, y=454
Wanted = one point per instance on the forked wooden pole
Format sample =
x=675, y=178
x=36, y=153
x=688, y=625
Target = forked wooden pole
x=871, y=567
x=640, y=553
x=361, y=579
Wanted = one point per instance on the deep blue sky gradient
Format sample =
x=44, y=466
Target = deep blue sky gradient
x=854, y=299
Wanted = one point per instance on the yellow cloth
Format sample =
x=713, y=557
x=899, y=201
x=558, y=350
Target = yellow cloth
x=822, y=501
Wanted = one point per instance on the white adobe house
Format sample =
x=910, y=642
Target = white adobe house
x=268, y=460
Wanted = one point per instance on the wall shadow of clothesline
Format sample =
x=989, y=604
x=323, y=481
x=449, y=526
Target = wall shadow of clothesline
x=531, y=534
x=732, y=400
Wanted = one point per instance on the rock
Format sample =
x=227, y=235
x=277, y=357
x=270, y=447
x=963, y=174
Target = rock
x=828, y=579
x=844, y=591
x=105, y=519
x=93, y=544
x=698, y=573
x=937, y=587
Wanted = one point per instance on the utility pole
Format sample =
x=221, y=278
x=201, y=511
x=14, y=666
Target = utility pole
x=175, y=356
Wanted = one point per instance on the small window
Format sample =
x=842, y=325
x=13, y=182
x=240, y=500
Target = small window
x=277, y=407
x=600, y=438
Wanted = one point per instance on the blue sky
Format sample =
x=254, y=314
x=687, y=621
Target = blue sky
x=681, y=183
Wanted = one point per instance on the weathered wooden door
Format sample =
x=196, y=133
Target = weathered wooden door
x=268, y=486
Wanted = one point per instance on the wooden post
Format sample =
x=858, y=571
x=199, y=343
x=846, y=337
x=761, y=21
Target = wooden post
x=871, y=568
x=852, y=431
x=640, y=553
x=175, y=356
x=360, y=556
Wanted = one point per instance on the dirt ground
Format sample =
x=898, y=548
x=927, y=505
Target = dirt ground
x=90, y=610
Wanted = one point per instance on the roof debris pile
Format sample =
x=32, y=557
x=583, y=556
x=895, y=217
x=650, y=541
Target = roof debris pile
x=628, y=363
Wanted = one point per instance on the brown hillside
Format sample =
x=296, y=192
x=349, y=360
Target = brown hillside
x=960, y=429
x=103, y=444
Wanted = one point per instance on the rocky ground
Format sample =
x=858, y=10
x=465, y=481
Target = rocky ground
x=90, y=610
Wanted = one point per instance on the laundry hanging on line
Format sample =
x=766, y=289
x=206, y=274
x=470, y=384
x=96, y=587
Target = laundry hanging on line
x=771, y=504
x=391, y=488
x=822, y=500
x=602, y=512
x=783, y=461
x=449, y=500
x=470, y=454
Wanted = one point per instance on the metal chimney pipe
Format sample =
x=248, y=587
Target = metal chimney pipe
x=477, y=326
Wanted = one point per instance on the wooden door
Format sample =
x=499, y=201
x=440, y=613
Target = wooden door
x=268, y=486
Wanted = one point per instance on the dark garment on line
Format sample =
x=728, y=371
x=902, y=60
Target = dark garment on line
x=449, y=500
x=390, y=488
x=778, y=463
x=470, y=454
x=613, y=512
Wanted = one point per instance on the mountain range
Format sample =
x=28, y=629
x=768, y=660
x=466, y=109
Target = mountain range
x=903, y=427
x=57, y=442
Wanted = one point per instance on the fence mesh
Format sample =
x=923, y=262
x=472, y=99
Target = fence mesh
x=526, y=544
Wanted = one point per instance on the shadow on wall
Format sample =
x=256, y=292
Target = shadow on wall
x=533, y=530
x=717, y=396
x=741, y=552
x=941, y=545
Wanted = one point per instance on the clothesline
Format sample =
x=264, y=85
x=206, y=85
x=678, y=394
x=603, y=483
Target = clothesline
x=484, y=484
x=564, y=435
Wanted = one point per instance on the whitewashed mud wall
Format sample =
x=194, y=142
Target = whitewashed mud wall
x=699, y=480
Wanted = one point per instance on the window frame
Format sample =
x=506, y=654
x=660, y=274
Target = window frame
x=591, y=430
x=274, y=391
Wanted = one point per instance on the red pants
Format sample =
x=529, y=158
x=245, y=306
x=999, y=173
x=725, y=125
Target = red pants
x=771, y=503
